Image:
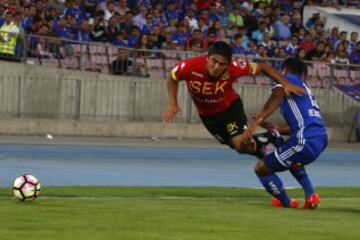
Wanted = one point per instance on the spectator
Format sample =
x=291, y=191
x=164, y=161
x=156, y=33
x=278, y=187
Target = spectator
x=301, y=54
x=160, y=38
x=40, y=8
x=287, y=6
x=343, y=37
x=296, y=24
x=181, y=35
x=247, y=4
x=75, y=10
x=171, y=12
x=341, y=56
x=353, y=40
x=8, y=37
x=202, y=26
x=120, y=66
x=212, y=14
x=83, y=33
x=193, y=22
x=355, y=55
x=123, y=8
x=317, y=54
x=134, y=36
x=216, y=28
x=310, y=23
x=223, y=17
x=211, y=38
x=251, y=50
x=196, y=34
x=292, y=47
x=142, y=46
x=109, y=9
x=237, y=47
x=140, y=19
x=269, y=46
x=29, y=15
x=120, y=40
x=282, y=28
x=90, y=7
x=126, y=24
x=281, y=55
x=334, y=36
x=112, y=29
x=146, y=29
x=301, y=35
x=235, y=19
x=308, y=43
x=328, y=51
x=196, y=45
x=98, y=33
x=41, y=48
x=261, y=52
x=258, y=35
x=159, y=19
x=324, y=37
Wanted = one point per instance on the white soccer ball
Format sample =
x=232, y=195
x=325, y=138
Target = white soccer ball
x=26, y=187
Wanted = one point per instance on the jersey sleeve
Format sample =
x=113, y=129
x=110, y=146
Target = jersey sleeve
x=181, y=70
x=242, y=68
x=275, y=84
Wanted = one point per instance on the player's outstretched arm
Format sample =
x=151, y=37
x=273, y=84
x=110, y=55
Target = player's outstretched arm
x=282, y=127
x=173, y=107
x=271, y=105
x=269, y=108
x=271, y=72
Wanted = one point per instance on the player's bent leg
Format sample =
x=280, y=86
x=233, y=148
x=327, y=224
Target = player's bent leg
x=248, y=147
x=274, y=186
x=312, y=199
x=299, y=173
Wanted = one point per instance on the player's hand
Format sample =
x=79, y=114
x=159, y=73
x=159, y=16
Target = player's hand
x=257, y=117
x=170, y=114
x=247, y=135
x=291, y=88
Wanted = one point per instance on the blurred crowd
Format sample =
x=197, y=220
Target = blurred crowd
x=256, y=28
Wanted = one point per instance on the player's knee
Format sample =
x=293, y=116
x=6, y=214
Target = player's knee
x=241, y=147
x=261, y=169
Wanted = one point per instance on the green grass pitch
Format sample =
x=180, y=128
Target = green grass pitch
x=176, y=213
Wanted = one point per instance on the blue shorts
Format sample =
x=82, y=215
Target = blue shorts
x=295, y=152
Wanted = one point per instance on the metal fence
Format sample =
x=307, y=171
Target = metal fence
x=130, y=99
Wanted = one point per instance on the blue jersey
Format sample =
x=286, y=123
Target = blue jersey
x=301, y=113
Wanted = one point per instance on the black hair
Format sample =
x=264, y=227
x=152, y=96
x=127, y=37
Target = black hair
x=220, y=48
x=294, y=66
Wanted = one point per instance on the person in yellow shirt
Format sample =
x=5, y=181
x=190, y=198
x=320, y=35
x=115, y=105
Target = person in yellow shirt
x=8, y=36
x=235, y=18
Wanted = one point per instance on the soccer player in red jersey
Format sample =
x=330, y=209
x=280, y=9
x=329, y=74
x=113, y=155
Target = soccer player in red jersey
x=210, y=81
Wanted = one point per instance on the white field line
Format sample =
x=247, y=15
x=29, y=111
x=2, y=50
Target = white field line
x=167, y=198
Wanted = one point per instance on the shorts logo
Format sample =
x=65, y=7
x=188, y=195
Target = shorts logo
x=231, y=127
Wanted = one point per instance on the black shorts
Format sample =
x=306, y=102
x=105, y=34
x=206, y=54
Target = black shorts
x=228, y=124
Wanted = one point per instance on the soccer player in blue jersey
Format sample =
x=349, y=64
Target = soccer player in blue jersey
x=308, y=138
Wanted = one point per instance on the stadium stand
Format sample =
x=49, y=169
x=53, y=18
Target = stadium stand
x=86, y=35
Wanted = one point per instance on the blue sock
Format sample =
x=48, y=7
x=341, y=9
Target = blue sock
x=302, y=177
x=275, y=187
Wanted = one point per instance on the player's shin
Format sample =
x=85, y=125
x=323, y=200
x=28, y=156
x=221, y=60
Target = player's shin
x=275, y=187
x=303, y=179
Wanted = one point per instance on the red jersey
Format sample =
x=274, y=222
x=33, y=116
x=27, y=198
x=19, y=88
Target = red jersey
x=210, y=97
